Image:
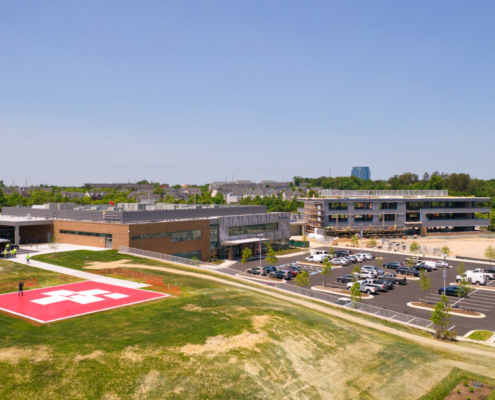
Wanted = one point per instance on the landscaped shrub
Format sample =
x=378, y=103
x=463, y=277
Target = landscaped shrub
x=471, y=389
x=445, y=334
x=438, y=333
x=453, y=335
x=465, y=383
x=459, y=391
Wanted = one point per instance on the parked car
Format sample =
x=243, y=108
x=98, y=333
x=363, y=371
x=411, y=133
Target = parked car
x=345, y=278
x=281, y=274
x=364, y=288
x=395, y=279
x=475, y=278
x=393, y=265
x=254, y=270
x=407, y=271
x=318, y=252
x=422, y=267
x=451, y=290
x=414, y=259
x=359, y=257
x=390, y=285
x=343, y=253
x=367, y=256
x=441, y=264
x=293, y=270
x=266, y=270
x=378, y=272
x=491, y=275
x=351, y=258
x=429, y=263
x=341, y=261
x=365, y=274
x=344, y=301
x=382, y=287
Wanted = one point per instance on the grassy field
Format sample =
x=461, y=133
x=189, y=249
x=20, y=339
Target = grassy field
x=481, y=335
x=215, y=342
x=14, y=272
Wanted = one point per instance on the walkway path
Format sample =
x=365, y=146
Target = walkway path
x=21, y=259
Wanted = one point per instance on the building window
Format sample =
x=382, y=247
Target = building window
x=388, y=206
x=105, y=235
x=363, y=218
x=342, y=218
x=189, y=254
x=337, y=206
x=388, y=217
x=252, y=229
x=367, y=205
x=176, y=236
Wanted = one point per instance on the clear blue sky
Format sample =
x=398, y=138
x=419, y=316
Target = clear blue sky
x=193, y=91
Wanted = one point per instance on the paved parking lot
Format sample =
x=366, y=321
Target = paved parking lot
x=480, y=300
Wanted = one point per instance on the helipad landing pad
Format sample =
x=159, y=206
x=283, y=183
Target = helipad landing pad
x=72, y=300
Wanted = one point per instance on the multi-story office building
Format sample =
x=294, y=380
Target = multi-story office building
x=423, y=211
x=361, y=172
x=183, y=230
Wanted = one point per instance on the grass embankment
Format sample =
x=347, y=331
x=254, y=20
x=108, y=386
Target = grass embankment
x=14, y=272
x=481, y=335
x=215, y=341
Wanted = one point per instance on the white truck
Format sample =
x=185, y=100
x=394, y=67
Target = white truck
x=473, y=277
x=491, y=275
x=363, y=287
x=319, y=258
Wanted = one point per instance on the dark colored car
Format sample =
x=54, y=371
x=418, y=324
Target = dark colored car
x=407, y=271
x=345, y=278
x=281, y=274
x=393, y=265
x=13, y=246
x=388, y=284
x=267, y=269
x=424, y=267
x=343, y=253
x=451, y=290
x=292, y=269
x=254, y=270
x=391, y=277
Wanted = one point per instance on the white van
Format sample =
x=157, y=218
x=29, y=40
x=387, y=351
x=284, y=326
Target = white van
x=473, y=277
x=431, y=264
x=318, y=252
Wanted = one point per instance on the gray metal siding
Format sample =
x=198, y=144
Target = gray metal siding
x=283, y=220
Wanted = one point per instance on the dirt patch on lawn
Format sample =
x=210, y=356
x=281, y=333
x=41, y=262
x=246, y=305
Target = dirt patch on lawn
x=191, y=307
x=462, y=391
x=114, y=264
x=13, y=355
x=220, y=344
x=93, y=356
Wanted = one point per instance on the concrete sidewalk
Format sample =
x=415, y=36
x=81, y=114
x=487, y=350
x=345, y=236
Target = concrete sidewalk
x=21, y=259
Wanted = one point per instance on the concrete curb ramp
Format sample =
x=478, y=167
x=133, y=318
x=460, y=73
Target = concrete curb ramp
x=451, y=311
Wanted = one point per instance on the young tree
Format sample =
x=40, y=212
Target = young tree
x=372, y=243
x=379, y=261
x=331, y=252
x=194, y=261
x=460, y=268
x=424, y=282
x=490, y=254
x=54, y=244
x=414, y=247
x=246, y=255
x=356, y=294
x=326, y=270
x=465, y=288
x=302, y=279
x=355, y=273
x=271, y=257
x=410, y=262
x=445, y=250
x=441, y=315
x=355, y=241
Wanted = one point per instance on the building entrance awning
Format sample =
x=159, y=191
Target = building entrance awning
x=241, y=241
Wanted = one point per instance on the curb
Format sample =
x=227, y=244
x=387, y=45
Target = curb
x=452, y=312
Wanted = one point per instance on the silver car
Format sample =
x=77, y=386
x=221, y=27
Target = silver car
x=340, y=261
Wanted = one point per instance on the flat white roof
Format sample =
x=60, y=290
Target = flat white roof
x=9, y=220
x=241, y=241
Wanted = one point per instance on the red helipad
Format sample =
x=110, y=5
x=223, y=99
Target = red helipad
x=72, y=300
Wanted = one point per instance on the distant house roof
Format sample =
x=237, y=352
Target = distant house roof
x=143, y=198
x=190, y=190
x=135, y=193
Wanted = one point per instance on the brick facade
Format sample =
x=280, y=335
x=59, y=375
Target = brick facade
x=34, y=233
x=121, y=235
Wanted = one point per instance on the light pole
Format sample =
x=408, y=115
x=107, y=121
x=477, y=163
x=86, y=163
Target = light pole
x=444, y=274
x=260, y=236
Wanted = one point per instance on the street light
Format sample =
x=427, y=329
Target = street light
x=260, y=236
x=444, y=273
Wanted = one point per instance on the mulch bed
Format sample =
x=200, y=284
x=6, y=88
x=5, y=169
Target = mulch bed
x=477, y=394
x=452, y=311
